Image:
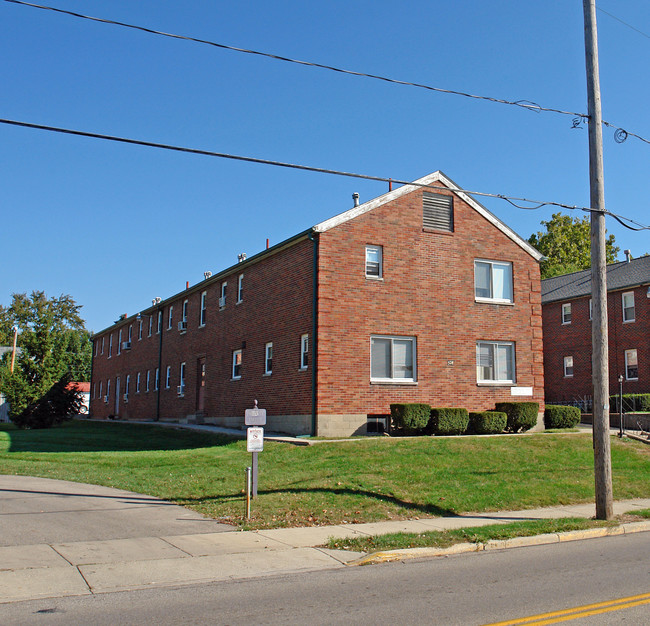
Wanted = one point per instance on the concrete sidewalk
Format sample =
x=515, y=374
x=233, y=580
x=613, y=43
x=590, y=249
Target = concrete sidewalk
x=61, y=539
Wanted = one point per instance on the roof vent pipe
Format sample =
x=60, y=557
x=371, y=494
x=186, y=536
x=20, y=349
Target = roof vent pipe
x=355, y=197
x=628, y=255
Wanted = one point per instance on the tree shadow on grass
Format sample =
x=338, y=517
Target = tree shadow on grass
x=87, y=436
x=427, y=509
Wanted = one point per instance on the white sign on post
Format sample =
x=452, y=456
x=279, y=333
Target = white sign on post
x=255, y=439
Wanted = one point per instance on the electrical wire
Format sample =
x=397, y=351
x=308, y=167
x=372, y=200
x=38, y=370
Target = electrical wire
x=524, y=104
x=618, y=19
x=319, y=170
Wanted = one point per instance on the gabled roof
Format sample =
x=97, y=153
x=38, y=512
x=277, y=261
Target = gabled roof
x=621, y=275
x=430, y=179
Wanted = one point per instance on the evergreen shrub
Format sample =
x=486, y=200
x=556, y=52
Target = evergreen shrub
x=522, y=416
x=561, y=416
x=410, y=417
x=487, y=422
x=448, y=421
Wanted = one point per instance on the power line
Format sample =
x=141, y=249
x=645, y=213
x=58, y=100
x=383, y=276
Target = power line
x=308, y=168
x=524, y=104
x=618, y=19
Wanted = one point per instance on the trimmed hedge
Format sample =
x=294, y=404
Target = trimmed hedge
x=522, y=416
x=631, y=402
x=410, y=417
x=561, y=416
x=448, y=421
x=487, y=422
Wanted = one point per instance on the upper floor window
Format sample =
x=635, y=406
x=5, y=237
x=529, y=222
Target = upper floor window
x=304, y=352
x=181, y=386
x=150, y=325
x=160, y=318
x=170, y=317
x=631, y=365
x=392, y=359
x=185, y=305
x=374, y=262
x=268, y=358
x=168, y=377
x=95, y=347
x=110, y=346
x=126, y=386
x=102, y=351
x=148, y=380
x=130, y=333
x=240, y=288
x=568, y=366
x=222, y=298
x=495, y=362
x=137, y=383
x=590, y=309
x=139, y=330
x=493, y=281
x=628, y=307
x=437, y=211
x=566, y=313
x=157, y=379
x=119, y=342
x=204, y=305
x=236, y=363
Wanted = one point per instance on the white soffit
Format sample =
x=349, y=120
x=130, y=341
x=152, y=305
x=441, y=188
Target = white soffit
x=435, y=177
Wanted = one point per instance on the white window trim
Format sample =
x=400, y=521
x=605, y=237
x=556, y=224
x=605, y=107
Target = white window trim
x=110, y=345
x=157, y=380
x=222, y=297
x=628, y=293
x=564, y=322
x=139, y=330
x=137, y=383
x=590, y=310
x=184, y=316
x=234, y=360
x=148, y=381
x=380, y=249
x=566, y=367
x=181, y=383
x=150, y=325
x=119, y=342
x=240, y=288
x=637, y=364
x=396, y=381
x=168, y=377
x=496, y=382
x=160, y=319
x=203, y=314
x=493, y=300
x=170, y=317
x=102, y=351
x=304, y=351
x=268, y=348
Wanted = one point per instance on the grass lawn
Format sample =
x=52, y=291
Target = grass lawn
x=328, y=483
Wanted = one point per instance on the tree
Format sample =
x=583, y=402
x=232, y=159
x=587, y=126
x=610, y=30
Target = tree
x=53, y=342
x=566, y=244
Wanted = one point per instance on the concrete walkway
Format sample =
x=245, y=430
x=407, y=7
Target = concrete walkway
x=60, y=539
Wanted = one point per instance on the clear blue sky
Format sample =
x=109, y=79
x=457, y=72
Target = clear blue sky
x=116, y=225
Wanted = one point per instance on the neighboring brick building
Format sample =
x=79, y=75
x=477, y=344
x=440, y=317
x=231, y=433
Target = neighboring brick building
x=567, y=331
x=420, y=295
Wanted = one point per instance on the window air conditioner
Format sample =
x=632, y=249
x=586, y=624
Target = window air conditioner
x=106, y=399
x=180, y=390
x=222, y=302
x=126, y=397
x=126, y=345
x=182, y=326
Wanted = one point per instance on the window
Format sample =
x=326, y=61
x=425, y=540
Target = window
x=202, y=317
x=631, y=365
x=148, y=381
x=170, y=317
x=102, y=351
x=137, y=383
x=304, y=352
x=628, y=307
x=495, y=362
x=566, y=313
x=139, y=330
x=150, y=325
x=437, y=211
x=374, y=264
x=119, y=342
x=568, y=366
x=222, y=299
x=168, y=377
x=110, y=346
x=126, y=386
x=160, y=318
x=493, y=281
x=185, y=305
x=236, y=364
x=130, y=332
x=157, y=379
x=108, y=389
x=268, y=358
x=590, y=309
x=181, y=386
x=392, y=359
x=100, y=390
x=240, y=288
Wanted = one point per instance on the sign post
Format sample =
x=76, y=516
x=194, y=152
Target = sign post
x=255, y=418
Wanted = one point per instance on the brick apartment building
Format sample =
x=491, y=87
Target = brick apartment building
x=420, y=295
x=566, y=305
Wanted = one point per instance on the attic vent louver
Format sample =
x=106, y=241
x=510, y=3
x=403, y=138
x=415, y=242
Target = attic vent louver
x=437, y=211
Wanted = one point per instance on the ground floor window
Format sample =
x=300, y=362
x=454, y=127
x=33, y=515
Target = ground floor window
x=631, y=365
x=392, y=359
x=495, y=362
x=236, y=364
x=568, y=366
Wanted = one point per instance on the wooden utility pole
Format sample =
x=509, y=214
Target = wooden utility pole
x=599, y=358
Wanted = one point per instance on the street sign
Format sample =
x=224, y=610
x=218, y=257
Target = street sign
x=255, y=439
x=254, y=417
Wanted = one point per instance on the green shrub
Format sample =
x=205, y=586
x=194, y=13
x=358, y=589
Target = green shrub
x=448, y=421
x=522, y=416
x=631, y=402
x=487, y=422
x=410, y=417
x=561, y=416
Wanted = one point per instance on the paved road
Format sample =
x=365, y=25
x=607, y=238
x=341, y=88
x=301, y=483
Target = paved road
x=44, y=511
x=468, y=589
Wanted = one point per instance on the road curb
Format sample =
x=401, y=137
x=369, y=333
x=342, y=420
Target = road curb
x=387, y=556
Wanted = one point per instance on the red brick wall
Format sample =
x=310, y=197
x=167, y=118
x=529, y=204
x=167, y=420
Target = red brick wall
x=575, y=340
x=427, y=292
x=276, y=307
